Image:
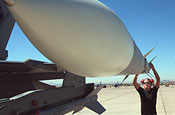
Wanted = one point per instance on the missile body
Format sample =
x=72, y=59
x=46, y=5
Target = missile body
x=84, y=37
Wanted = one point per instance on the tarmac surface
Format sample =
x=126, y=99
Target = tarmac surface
x=126, y=101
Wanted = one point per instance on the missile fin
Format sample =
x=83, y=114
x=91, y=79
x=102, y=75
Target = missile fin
x=96, y=107
x=148, y=52
x=94, y=92
x=125, y=78
x=78, y=109
x=153, y=59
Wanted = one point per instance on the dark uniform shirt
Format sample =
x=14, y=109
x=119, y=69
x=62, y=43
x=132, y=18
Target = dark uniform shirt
x=148, y=101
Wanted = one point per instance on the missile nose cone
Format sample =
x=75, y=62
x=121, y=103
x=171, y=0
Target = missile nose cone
x=10, y=2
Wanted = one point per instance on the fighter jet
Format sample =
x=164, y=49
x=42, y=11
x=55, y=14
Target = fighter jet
x=81, y=37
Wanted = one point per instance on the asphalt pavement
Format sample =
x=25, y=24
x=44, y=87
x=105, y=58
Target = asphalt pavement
x=126, y=101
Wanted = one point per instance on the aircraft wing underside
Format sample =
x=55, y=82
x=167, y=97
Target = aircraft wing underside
x=18, y=77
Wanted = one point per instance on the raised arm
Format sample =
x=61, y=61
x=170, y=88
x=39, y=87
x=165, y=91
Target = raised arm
x=136, y=85
x=157, y=83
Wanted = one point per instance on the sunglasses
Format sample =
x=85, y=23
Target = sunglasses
x=146, y=82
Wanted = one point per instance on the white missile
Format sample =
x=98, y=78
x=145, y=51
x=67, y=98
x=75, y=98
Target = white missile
x=84, y=37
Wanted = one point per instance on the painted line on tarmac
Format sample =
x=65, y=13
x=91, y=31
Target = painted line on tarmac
x=163, y=102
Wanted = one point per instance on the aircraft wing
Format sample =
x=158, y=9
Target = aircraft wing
x=18, y=77
x=35, y=70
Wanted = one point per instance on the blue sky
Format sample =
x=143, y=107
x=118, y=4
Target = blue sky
x=151, y=23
